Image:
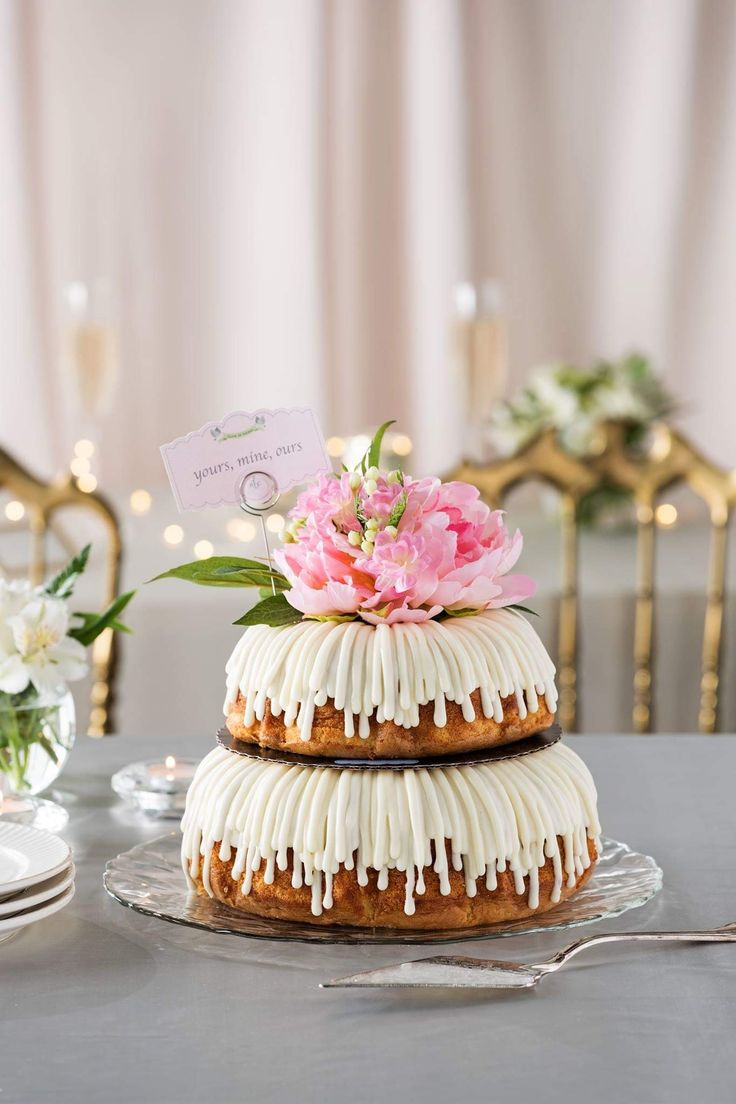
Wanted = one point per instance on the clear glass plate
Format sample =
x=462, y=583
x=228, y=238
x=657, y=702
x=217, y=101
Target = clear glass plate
x=149, y=879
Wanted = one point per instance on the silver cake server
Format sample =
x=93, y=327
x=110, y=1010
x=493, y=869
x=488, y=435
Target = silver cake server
x=462, y=972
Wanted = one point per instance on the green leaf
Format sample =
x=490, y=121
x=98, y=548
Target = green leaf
x=62, y=584
x=48, y=747
x=261, y=578
x=372, y=458
x=473, y=612
x=89, y=619
x=339, y=617
x=274, y=611
x=397, y=511
x=93, y=624
x=226, y=571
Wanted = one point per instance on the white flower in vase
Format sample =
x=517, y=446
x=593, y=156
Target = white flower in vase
x=575, y=402
x=577, y=436
x=13, y=597
x=616, y=400
x=508, y=434
x=43, y=647
x=559, y=404
x=35, y=648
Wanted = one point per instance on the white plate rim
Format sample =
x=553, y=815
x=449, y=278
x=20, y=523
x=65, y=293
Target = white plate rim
x=38, y=837
x=36, y=894
x=31, y=916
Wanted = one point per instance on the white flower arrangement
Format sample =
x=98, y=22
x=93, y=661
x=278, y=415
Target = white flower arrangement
x=35, y=647
x=575, y=401
x=43, y=647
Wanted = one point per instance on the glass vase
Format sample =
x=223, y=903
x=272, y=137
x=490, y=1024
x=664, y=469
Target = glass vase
x=36, y=739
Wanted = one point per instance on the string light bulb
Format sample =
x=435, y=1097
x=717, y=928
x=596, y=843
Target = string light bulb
x=140, y=502
x=173, y=534
x=240, y=529
x=203, y=549
x=84, y=449
x=14, y=510
x=666, y=515
x=80, y=465
x=275, y=523
x=401, y=444
x=335, y=446
x=87, y=483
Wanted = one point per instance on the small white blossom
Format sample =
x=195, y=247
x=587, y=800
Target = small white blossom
x=34, y=644
x=559, y=404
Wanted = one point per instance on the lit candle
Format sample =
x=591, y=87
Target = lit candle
x=158, y=787
x=171, y=775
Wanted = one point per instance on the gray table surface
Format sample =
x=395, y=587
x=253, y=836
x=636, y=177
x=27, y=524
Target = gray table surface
x=101, y=1004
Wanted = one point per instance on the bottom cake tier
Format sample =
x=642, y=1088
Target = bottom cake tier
x=422, y=849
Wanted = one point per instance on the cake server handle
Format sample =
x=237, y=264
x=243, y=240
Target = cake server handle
x=726, y=933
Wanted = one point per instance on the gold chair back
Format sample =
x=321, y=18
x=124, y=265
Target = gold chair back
x=44, y=503
x=667, y=460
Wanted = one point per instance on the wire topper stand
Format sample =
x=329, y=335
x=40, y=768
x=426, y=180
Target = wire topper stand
x=259, y=493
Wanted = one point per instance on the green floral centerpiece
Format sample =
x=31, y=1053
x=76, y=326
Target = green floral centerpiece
x=575, y=402
x=43, y=647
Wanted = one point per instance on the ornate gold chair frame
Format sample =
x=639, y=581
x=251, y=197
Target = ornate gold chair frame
x=42, y=502
x=667, y=460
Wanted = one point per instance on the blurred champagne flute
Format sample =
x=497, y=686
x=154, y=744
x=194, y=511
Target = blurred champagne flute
x=480, y=352
x=90, y=351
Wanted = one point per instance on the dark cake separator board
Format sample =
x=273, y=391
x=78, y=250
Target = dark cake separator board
x=527, y=746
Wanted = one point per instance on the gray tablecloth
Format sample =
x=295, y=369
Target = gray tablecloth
x=100, y=1004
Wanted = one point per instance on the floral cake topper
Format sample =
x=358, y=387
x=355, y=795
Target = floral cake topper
x=382, y=547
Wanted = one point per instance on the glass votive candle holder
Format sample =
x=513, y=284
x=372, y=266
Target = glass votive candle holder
x=36, y=812
x=156, y=787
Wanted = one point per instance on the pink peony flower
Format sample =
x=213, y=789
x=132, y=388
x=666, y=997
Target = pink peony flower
x=389, y=548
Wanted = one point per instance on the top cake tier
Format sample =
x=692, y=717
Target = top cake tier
x=390, y=691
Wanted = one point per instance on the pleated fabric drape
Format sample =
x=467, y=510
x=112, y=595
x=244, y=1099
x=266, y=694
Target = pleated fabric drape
x=282, y=195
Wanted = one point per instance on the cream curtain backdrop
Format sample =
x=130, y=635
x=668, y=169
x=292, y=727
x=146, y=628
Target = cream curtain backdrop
x=283, y=194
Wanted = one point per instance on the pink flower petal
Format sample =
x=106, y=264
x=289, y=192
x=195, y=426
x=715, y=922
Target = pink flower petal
x=451, y=551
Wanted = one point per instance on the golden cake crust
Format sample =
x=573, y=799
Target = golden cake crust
x=367, y=906
x=388, y=740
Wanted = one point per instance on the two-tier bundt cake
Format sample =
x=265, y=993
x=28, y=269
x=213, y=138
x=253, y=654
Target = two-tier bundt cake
x=395, y=634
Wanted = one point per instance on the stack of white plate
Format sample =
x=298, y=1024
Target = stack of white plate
x=36, y=876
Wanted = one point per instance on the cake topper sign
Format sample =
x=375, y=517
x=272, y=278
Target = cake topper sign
x=245, y=457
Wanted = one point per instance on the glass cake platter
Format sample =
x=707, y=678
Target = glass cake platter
x=149, y=880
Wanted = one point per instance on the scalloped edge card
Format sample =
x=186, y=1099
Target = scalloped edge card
x=206, y=467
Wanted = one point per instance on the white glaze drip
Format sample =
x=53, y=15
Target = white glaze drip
x=495, y=816
x=390, y=670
